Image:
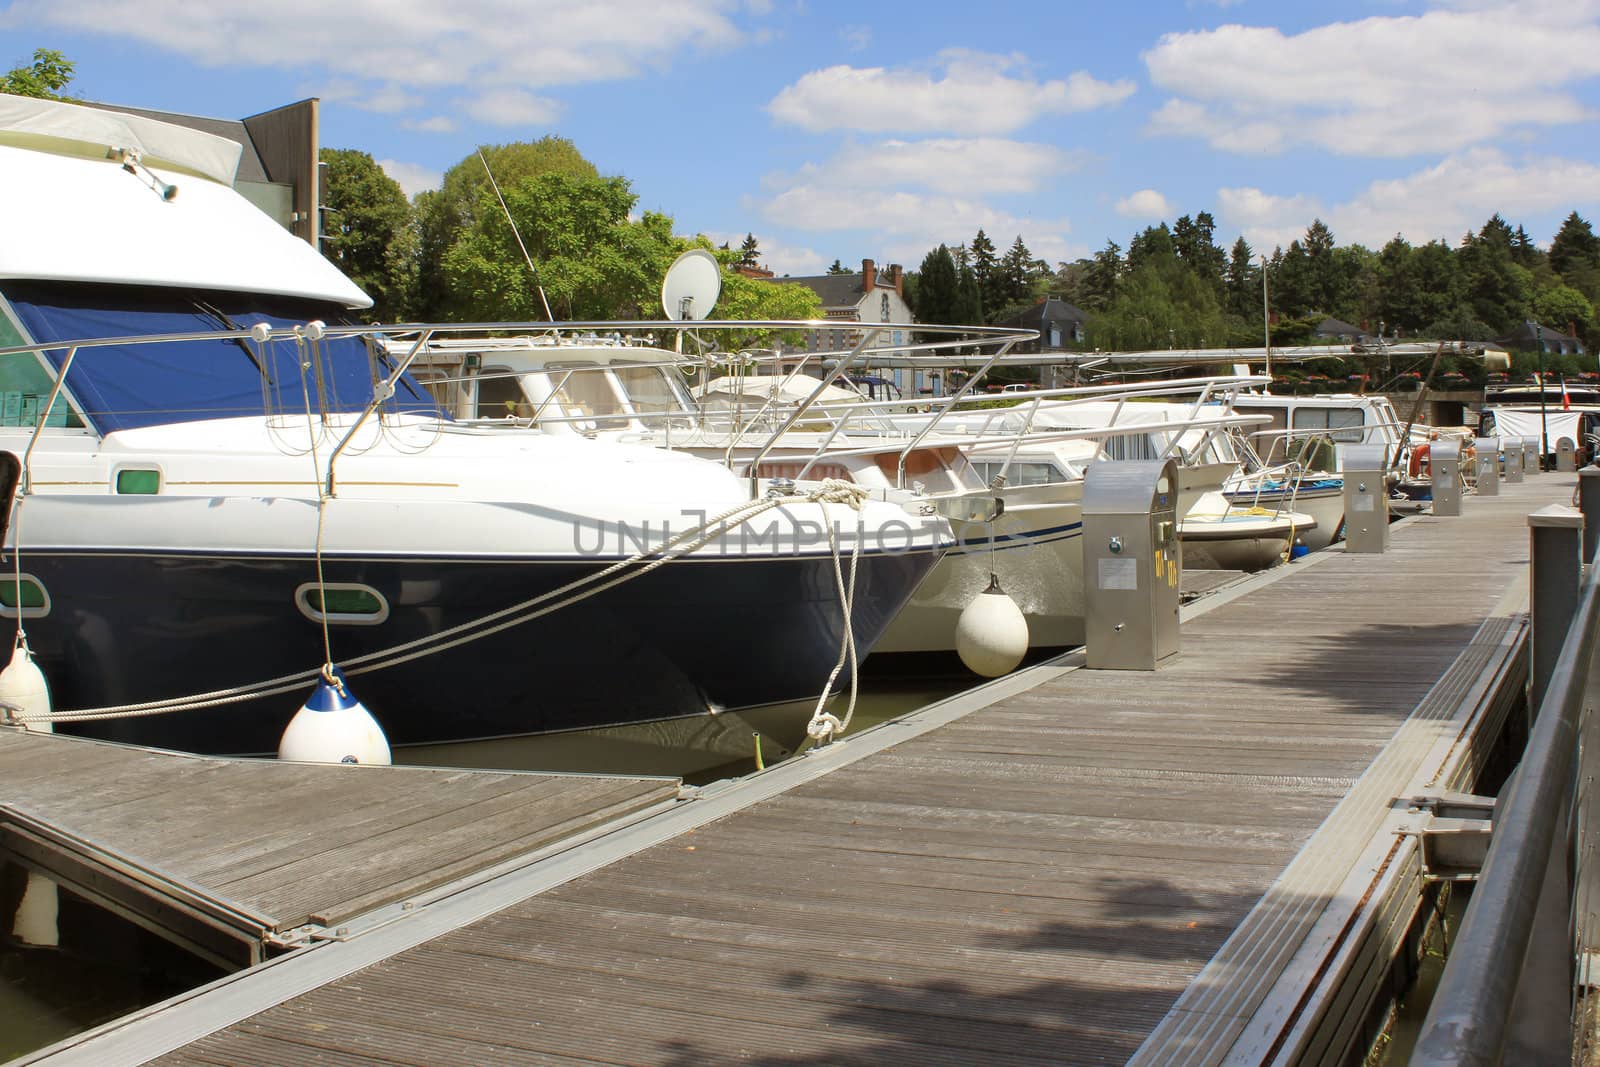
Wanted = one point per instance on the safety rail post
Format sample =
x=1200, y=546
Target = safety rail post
x=1507, y=982
x=1555, y=573
x=1589, y=504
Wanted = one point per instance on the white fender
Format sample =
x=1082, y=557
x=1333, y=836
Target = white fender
x=992, y=634
x=334, y=727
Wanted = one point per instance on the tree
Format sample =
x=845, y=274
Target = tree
x=750, y=252
x=369, y=232
x=1243, y=283
x=50, y=73
x=1014, y=279
x=938, y=298
x=1192, y=239
x=1102, y=277
x=1575, y=256
x=838, y=268
x=1561, y=306
x=592, y=260
x=444, y=215
x=984, y=272
x=1575, y=247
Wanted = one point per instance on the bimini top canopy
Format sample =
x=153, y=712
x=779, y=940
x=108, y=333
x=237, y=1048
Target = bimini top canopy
x=75, y=211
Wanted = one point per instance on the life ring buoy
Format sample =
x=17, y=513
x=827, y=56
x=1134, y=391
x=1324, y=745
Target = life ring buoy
x=1418, y=467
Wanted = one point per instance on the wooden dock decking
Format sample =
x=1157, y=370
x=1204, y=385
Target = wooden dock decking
x=284, y=845
x=1041, y=880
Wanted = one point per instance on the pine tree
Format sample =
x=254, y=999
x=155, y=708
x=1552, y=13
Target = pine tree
x=938, y=289
x=1243, y=283
x=750, y=252
x=984, y=272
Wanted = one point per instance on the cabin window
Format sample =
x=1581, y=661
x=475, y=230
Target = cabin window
x=649, y=389
x=1022, y=472
x=35, y=601
x=586, y=392
x=1344, y=422
x=342, y=602
x=138, y=482
x=500, y=394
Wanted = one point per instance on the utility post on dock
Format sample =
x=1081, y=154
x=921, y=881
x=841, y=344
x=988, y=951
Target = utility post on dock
x=1556, y=534
x=1589, y=504
x=1131, y=564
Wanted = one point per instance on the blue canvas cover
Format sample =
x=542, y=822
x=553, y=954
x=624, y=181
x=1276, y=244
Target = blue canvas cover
x=127, y=386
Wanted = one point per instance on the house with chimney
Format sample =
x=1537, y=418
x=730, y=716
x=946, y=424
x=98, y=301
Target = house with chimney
x=874, y=295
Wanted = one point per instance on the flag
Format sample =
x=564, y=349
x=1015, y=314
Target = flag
x=1566, y=401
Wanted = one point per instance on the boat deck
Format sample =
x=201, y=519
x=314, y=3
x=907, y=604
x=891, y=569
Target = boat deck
x=1069, y=866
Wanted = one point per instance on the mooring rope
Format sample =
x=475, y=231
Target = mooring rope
x=831, y=491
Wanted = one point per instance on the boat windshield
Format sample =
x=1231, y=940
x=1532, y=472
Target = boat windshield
x=652, y=389
x=121, y=387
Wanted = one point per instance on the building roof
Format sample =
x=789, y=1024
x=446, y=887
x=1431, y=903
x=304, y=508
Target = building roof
x=835, y=290
x=1050, y=309
x=1523, y=335
x=1332, y=327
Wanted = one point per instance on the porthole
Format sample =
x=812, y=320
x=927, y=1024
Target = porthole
x=136, y=482
x=343, y=603
x=35, y=600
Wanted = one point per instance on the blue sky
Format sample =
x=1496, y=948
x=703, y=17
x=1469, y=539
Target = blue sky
x=851, y=131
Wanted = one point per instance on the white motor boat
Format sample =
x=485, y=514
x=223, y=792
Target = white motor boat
x=221, y=490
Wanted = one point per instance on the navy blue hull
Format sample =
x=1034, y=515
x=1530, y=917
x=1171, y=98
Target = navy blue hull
x=126, y=629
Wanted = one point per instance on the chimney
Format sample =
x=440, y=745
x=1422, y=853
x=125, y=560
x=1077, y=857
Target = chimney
x=869, y=275
x=896, y=276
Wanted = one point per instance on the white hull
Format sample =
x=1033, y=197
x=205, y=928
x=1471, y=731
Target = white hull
x=1037, y=552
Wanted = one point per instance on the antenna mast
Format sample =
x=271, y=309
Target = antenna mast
x=531, y=268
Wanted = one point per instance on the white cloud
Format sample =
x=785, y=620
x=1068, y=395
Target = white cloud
x=961, y=92
x=1459, y=194
x=513, y=107
x=908, y=224
x=1264, y=220
x=413, y=177
x=1380, y=86
x=960, y=167
x=777, y=255
x=1442, y=201
x=1144, y=204
x=399, y=46
x=432, y=124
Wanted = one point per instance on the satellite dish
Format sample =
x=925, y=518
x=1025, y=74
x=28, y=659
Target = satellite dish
x=692, y=285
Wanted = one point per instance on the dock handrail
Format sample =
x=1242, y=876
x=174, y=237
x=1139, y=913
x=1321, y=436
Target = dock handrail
x=1471, y=1019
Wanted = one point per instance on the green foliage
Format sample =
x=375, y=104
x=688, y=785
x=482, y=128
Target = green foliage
x=938, y=296
x=838, y=268
x=986, y=272
x=1561, y=306
x=446, y=214
x=593, y=262
x=750, y=252
x=50, y=72
x=368, y=232
x=1160, y=305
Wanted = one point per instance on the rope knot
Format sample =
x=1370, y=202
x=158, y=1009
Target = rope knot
x=838, y=491
x=824, y=727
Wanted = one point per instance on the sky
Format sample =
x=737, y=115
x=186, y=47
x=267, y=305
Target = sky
x=852, y=131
